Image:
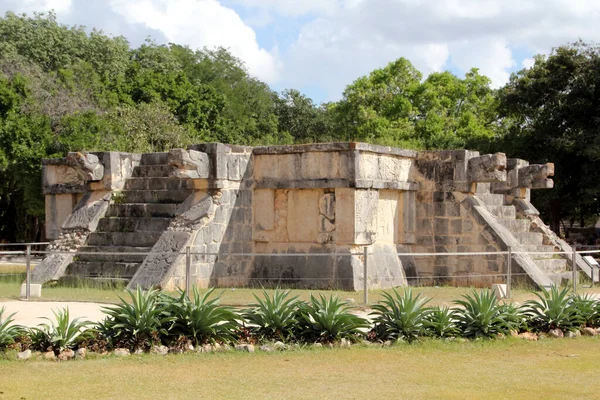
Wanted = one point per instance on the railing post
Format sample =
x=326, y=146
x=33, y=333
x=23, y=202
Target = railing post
x=509, y=273
x=574, y=267
x=365, y=275
x=28, y=269
x=188, y=271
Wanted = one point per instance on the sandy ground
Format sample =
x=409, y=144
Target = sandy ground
x=31, y=313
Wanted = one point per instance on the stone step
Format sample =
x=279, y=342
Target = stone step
x=154, y=158
x=561, y=278
x=156, y=184
x=133, y=224
x=529, y=238
x=122, y=255
x=552, y=264
x=503, y=211
x=516, y=225
x=142, y=210
x=155, y=196
x=148, y=171
x=96, y=269
x=491, y=199
x=540, y=248
x=135, y=239
x=483, y=187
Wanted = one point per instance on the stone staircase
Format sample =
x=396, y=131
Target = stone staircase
x=133, y=222
x=553, y=265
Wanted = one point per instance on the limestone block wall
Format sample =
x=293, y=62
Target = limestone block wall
x=215, y=221
x=229, y=232
x=445, y=225
x=302, y=215
x=302, y=224
x=314, y=203
x=64, y=185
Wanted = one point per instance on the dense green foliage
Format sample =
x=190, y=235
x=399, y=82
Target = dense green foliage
x=8, y=331
x=400, y=315
x=61, y=333
x=329, y=320
x=183, y=323
x=67, y=89
x=441, y=322
x=274, y=317
x=201, y=319
x=481, y=315
x=556, y=308
x=551, y=113
x=393, y=106
x=139, y=323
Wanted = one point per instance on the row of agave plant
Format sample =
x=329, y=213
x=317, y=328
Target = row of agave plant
x=152, y=318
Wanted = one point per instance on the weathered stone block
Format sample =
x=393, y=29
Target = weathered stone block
x=441, y=226
x=488, y=168
x=424, y=227
x=303, y=215
x=264, y=209
x=189, y=164
x=87, y=166
x=234, y=171
x=536, y=176
x=425, y=240
x=35, y=290
x=446, y=240
x=327, y=205
x=456, y=226
x=366, y=205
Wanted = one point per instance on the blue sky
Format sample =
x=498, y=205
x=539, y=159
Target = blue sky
x=320, y=46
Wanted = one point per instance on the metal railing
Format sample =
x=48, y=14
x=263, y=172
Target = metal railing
x=188, y=254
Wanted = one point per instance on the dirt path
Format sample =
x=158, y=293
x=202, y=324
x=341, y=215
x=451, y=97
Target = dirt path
x=31, y=313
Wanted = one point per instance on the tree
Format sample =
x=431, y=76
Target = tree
x=392, y=106
x=551, y=113
x=379, y=108
x=248, y=115
x=454, y=112
x=299, y=117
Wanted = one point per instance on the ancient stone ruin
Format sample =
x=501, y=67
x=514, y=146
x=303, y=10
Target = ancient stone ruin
x=298, y=216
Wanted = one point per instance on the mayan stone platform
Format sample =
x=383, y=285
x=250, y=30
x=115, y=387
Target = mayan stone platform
x=292, y=215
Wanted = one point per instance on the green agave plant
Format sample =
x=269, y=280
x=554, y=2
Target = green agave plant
x=140, y=323
x=61, y=333
x=553, y=309
x=441, y=322
x=8, y=331
x=201, y=319
x=274, y=317
x=480, y=315
x=588, y=309
x=329, y=319
x=515, y=317
x=400, y=316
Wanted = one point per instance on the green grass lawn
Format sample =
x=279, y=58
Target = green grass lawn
x=511, y=369
x=444, y=295
x=10, y=289
x=11, y=277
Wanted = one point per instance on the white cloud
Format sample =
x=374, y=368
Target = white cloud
x=290, y=7
x=202, y=23
x=361, y=35
x=28, y=6
x=492, y=56
x=527, y=62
